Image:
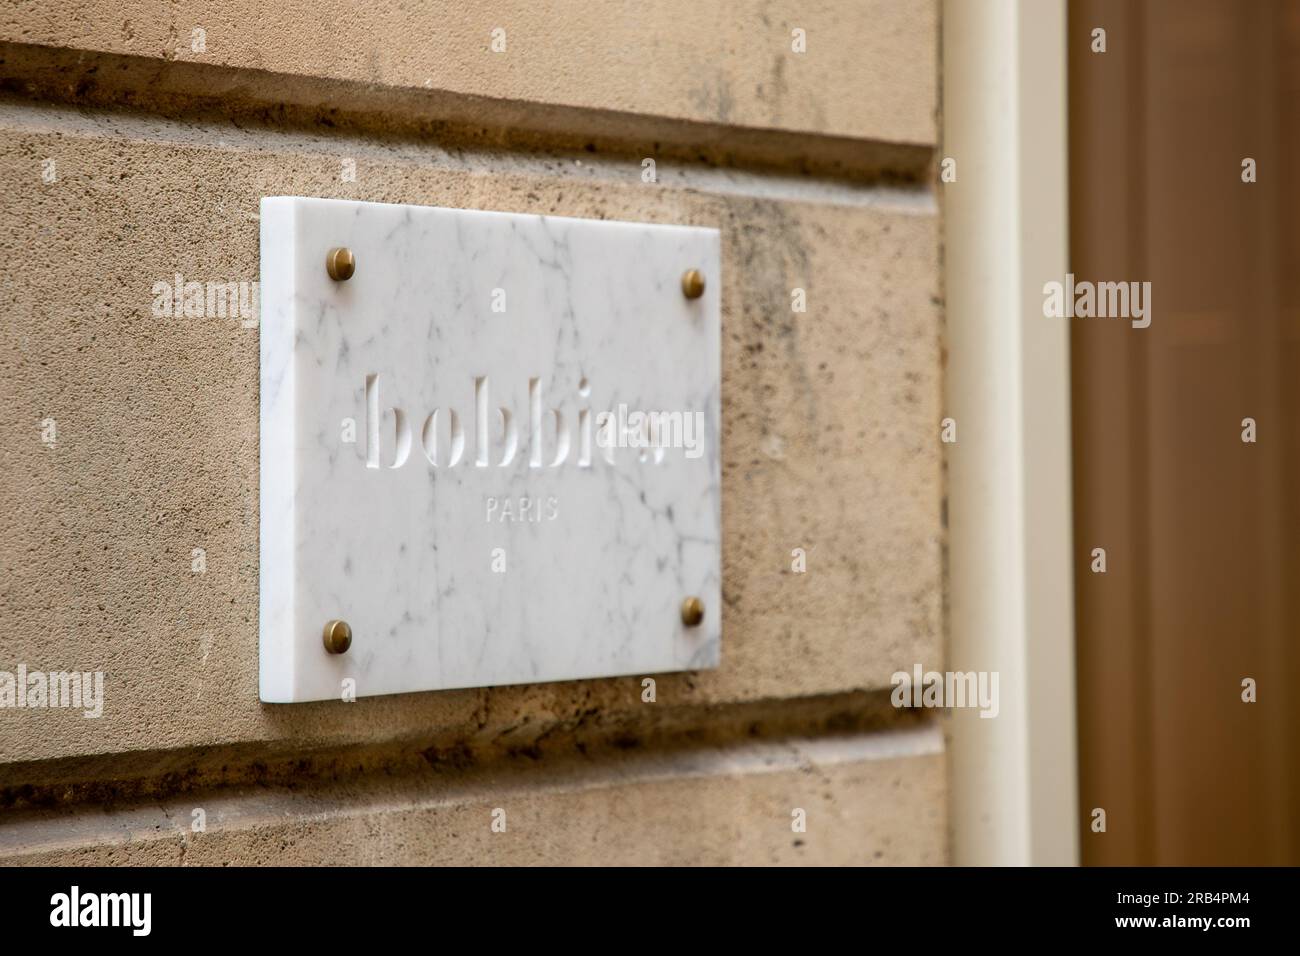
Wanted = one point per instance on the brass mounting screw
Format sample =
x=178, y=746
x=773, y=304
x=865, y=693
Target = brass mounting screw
x=692, y=611
x=340, y=263
x=338, y=637
x=693, y=283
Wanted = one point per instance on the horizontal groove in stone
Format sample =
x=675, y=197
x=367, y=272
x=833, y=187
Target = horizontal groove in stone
x=152, y=775
x=518, y=777
x=200, y=92
x=578, y=166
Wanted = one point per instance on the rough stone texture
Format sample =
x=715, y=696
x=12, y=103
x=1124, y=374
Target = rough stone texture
x=870, y=71
x=878, y=800
x=830, y=423
x=828, y=436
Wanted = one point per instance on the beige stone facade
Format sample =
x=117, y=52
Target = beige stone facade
x=133, y=148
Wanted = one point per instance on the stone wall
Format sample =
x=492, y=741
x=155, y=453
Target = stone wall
x=136, y=140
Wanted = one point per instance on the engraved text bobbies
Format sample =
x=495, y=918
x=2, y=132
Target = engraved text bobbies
x=443, y=441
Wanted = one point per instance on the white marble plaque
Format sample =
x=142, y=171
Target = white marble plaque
x=493, y=451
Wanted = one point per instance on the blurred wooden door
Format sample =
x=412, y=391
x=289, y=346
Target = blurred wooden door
x=1202, y=581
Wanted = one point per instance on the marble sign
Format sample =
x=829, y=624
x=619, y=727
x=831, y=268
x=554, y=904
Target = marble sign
x=489, y=449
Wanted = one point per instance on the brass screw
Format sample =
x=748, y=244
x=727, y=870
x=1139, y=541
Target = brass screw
x=340, y=263
x=338, y=637
x=692, y=611
x=693, y=283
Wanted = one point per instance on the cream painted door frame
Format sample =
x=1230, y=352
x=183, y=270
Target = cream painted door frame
x=1014, y=777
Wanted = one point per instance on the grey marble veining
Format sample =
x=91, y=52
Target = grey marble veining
x=435, y=469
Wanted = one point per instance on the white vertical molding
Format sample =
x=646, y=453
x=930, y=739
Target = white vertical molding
x=278, y=408
x=1014, y=777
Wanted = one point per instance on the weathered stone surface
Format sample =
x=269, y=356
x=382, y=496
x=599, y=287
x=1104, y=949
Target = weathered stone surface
x=869, y=72
x=828, y=444
x=879, y=799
